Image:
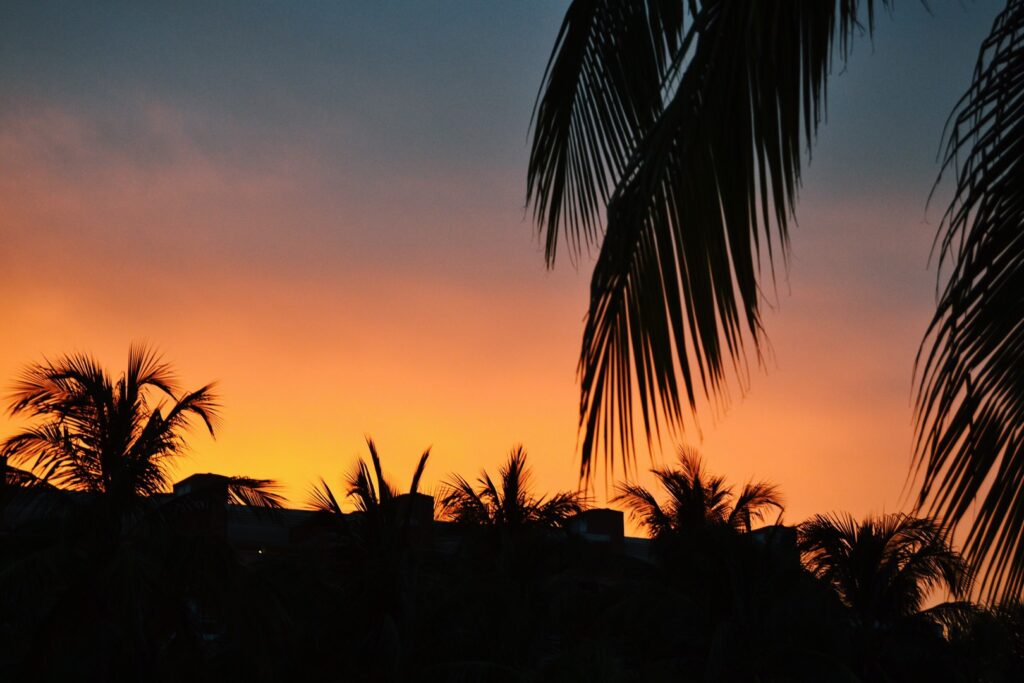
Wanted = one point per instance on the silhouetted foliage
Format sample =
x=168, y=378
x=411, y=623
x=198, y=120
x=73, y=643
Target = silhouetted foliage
x=374, y=570
x=681, y=126
x=91, y=575
x=510, y=504
x=883, y=569
x=696, y=500
x=669, y=134
x=114, y=437
x=970, y=405
x=500, y=589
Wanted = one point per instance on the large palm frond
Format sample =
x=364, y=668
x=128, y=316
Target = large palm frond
x=602, y=89
x=970, y=402
x=685, y=122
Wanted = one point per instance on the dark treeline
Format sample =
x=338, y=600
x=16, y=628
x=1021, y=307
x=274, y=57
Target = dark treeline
x=106, y=575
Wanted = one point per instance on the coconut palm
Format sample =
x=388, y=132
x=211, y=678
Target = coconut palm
x=115, y=438
x=670, y=134
x=883, y=568
x=697, y=500
x=509, y=504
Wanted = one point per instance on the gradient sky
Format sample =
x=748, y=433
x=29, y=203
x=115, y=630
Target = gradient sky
x=321, y=206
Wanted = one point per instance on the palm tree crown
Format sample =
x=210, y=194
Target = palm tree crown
x=510, y=504
x=884, y=567
x=374, y=497
x=105, y=435
x=697, y=500
x=116, y=437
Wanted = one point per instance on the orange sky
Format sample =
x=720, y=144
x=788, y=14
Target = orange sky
x=336, y=287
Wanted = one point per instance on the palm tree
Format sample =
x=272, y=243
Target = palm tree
x=696, y=500
x=380, y=515
x=115, y=438
x=669, y=134
x=377, y=566
x=509, y=505
x=883, y=568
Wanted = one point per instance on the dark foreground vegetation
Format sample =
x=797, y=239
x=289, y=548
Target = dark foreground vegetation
x=107, y=575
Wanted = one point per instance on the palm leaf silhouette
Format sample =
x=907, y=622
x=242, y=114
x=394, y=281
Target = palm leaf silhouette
x=684, y=122
x=970, y=400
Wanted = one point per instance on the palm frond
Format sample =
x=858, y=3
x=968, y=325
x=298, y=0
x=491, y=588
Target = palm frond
x=601, y=90
x=362, y=489
x=970, y=399
x=558, y=509
x=460, y=503
x=202, y=403
x=322, y=499
x=146, y=367
x=255, y=493
x=698, y=131
x=417, y=474
x=753, y=503
x=515, y=484
x=952, y=617
x=385, y=492
x=644, y=508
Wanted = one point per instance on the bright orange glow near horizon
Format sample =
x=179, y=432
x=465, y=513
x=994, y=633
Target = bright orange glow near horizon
x=335, y=289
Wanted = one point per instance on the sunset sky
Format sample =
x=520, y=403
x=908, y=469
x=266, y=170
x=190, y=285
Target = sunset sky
x=321, y=206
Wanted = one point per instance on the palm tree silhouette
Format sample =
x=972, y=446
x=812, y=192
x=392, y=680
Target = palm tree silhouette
x=115, y=438
x=671, y=134
x=379, y=518
x=883, y=568
x=696, y=500
x=509, y=505
x=376, y=564
x=122, y=591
